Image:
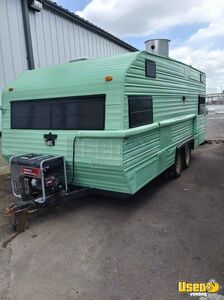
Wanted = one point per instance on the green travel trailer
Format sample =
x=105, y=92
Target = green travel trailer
x=110, y=124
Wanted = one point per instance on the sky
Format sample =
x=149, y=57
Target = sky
x=195, y=28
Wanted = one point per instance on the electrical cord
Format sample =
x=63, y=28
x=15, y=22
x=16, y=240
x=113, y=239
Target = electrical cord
x=73, y=162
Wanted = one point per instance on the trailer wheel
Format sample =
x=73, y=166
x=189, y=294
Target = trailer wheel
x=187, y=156
x=177, y=168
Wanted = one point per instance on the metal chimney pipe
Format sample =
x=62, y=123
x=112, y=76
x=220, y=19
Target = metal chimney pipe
x=158, y=46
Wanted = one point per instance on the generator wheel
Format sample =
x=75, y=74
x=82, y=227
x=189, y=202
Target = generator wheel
x=187, y=156
x=177, y=168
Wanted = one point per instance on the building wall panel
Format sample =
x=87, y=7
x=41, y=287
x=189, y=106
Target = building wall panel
x=56, y=39
x=12, y=41
x=13, y=59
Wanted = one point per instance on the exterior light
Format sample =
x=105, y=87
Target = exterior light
x=108, y=78
x=10, y=89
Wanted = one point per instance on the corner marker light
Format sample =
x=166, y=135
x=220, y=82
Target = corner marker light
x=11, y=89
x=108, y=78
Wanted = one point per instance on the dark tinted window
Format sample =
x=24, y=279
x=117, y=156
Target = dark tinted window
x=201, y=105
x=86, y=112
x=150, y=68
x=202, y=78
x=30, y=115
x=140, y=110
x=78, y=115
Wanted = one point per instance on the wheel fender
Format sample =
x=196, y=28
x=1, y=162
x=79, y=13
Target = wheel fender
x=185, y=143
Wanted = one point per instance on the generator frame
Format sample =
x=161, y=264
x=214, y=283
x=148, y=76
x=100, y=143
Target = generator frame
x=44, y=197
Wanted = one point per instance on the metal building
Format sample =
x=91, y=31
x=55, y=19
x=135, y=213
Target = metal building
x=215, y=98
x=40, y=33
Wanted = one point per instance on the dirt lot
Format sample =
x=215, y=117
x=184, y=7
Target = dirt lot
x=106, y=248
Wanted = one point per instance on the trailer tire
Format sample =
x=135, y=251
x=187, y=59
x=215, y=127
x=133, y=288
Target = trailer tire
x=187, y=157
x=177, y=168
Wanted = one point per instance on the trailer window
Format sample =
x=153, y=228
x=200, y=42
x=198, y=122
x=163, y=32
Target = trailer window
x=202, y=78
x=140, y=110
x=201, y=105
x=30, y=115
x=150, y=68
x=77, y=113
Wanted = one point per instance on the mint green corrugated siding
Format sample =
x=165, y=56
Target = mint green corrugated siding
x=138, y=152
x=173, y=81
x=98, y=162
x=200, y=129
x=147, y=157
x=116, y=159
x=182, y=131
x=75, y=79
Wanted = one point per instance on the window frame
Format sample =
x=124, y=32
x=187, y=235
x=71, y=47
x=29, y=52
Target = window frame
x=202, y=77
x=133, y=97
x=199, y=105
x=49, y=102
x=147, y=63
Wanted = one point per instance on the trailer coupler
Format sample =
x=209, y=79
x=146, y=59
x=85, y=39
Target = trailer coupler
x=15, y=208
x=22, y=210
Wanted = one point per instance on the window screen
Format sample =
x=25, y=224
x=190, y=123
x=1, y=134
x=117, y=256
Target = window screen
x=150, y=68
x=81, y=113
x=201, y=105
x=140, y=110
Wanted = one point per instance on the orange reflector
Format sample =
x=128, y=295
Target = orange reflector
x=11, y=89
x=108, y=78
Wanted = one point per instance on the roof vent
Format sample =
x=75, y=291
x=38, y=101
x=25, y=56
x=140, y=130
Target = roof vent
x=35, y=5
x=158, y=46
x=79, y=58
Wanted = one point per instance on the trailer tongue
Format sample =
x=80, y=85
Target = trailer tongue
x=39, y=181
